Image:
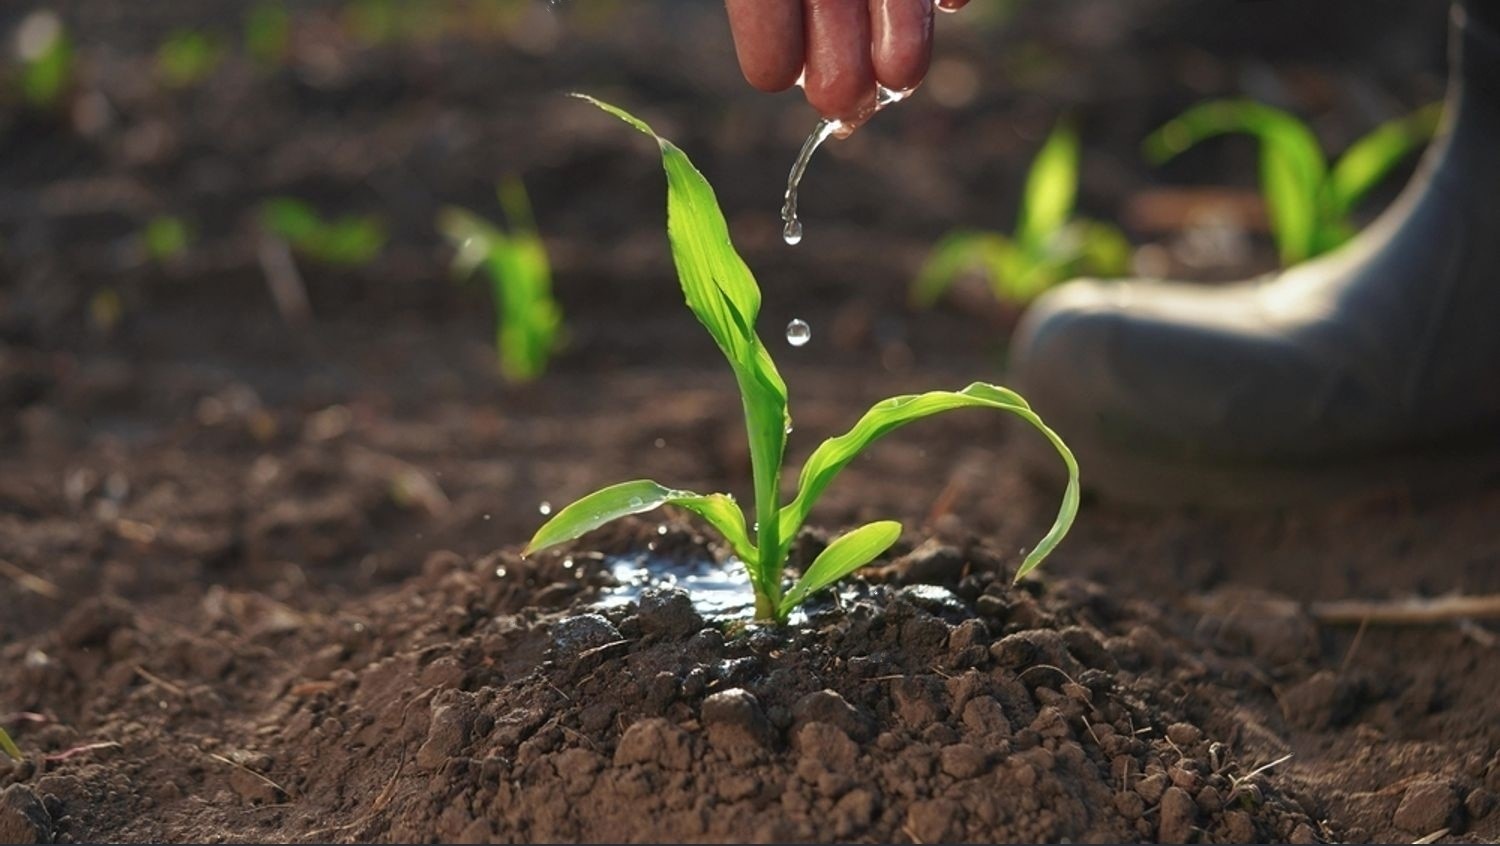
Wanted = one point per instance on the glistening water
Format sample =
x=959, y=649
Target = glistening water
x=791, y=225
x=718, y=590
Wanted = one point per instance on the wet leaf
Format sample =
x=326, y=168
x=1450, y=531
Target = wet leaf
x=627, y=498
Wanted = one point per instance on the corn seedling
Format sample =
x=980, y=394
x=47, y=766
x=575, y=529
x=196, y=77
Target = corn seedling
x=187, y=57
x=166, y=239
x=722, y=293
x=1048, y=246
x=9, y=746
x=527, y=319
x=1310, y=202
x=268, y=33
x=348, y=241
x=47, y=62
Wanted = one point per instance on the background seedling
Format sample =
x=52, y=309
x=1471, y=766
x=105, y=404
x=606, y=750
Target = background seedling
x=348, y=241
x=528, y=321
x=1310, y=203
x=187, y=57
x=721, y=291
x=268, y=29
x=166, y=238
x=1048, y=246
x=47, y=62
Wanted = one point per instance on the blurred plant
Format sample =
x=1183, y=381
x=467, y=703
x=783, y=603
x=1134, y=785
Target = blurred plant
x=348, y=241
x=268, y=33
x=722, y=294
x=528, y=321
x=166, y=238
x=1048, y=247
x=47, y=61
x=187, y=57
x=1310, y=203
x=9, y=746
x=106, y=310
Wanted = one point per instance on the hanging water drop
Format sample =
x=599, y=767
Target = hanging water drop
x=798, y=333
x=545, y=508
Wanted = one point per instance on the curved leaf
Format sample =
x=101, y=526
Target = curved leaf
x=1293, y=168
x=835, y=453
x=627, y=498
x=722, y=292
x=1370, y=158
x=1051, y=189
x=848, y=553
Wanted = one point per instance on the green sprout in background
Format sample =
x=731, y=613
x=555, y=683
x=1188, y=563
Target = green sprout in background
x=350, y=241
x=1310, y=203
x=166, y=238
x=528, y=321
x=47, y=59
x=187, y=58
x=722, y=293
x=268, y=33
x=1049, y=245
x=9, y=746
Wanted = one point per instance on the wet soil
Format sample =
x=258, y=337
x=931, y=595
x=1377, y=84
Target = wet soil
x=260, y=581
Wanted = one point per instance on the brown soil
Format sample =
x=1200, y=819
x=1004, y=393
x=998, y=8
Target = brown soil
x=260, y=582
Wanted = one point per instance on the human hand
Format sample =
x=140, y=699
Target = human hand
x=840, y=48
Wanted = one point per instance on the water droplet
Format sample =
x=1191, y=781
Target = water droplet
x=545, y=508
x=500, y=572
x=567, y=563
x=636, y=502
x=487, y=517
x=798, y=333
x=661, y=442
x=662, y=529
x=791, y=233
x=651, y=546
x=789, y=428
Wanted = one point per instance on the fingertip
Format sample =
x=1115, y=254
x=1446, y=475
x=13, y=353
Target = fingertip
x=902, y=41
x=840, y=75
x=769, y=41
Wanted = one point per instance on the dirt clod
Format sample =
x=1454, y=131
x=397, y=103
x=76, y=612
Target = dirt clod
x=1179, y=815
x=23, y=817
x=581, y=633
x=655, y=741
x=668, y=611
x=1324, y=699
x=828, y=706
x=736, y=724
x=1427, y=806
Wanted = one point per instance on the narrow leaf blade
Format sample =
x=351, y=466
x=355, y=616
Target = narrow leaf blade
x=9, y=747
x=848, y=553
x=1051, y=188
x=627, y=498
x=834, y=454
x=1372, y=157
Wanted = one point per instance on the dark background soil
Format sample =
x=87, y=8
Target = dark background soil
x=248, y=570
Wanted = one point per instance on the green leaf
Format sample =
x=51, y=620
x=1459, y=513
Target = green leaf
x=268, y=33
x=1372, y=157
x=1293, y=168
x=722, y=293
x=9, y=747
x=290, y=218
x=835, y=453
x=627, y=498
x=47, y=73
x=1104, y=250
x=989, y=253
x=1051, y=189
x=187, y=57
x=842, y=557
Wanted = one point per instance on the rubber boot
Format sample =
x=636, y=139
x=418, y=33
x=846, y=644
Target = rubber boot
x=1374, y=368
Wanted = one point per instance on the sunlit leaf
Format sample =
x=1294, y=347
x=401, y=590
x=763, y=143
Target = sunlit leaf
x=638, y=497
x=1291, y=202
x=835, y=453
x=721, y=291
x=842, y=557
x=1051, y=188
x=1372, y=157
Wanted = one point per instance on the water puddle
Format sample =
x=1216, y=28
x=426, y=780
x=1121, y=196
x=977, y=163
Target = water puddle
x=718, y=591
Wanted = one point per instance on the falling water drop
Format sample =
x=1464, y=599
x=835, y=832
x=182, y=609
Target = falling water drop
x=545, y=508
x=500, y=572
x=798, y=333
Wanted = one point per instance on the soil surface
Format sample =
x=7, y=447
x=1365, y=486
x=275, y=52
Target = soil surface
x=260, y=580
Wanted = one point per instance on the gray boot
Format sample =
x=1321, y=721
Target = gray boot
x=1376, y=367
